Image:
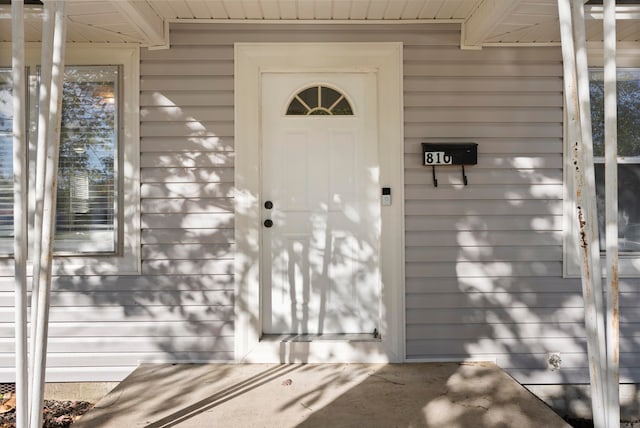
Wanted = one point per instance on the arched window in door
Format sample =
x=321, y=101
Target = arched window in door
x=319, y=100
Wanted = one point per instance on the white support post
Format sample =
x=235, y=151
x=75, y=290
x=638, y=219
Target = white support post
x=584, y=194
x=41, y=157
x=584, y=100
x=589, y=191
x=611, y=202
x=49, y=211
x=20, y=208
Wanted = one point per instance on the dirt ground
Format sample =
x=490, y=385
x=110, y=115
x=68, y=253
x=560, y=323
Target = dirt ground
x=56, y=414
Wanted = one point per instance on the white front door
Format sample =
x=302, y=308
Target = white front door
x=320, y=204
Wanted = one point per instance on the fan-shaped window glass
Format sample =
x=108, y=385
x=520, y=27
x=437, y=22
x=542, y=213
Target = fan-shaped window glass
x=319, y=100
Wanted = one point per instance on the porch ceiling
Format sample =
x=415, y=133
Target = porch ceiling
x=483, y=22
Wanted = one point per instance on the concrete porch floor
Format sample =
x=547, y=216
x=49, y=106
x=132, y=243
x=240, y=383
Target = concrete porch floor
x=320, y=395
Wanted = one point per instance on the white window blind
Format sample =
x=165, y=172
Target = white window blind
x=6, y=163
x=87, y=203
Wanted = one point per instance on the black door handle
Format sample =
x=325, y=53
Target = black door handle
x=268, y=205
x=268, y=223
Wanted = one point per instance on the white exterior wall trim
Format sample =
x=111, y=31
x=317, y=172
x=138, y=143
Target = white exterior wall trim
x=128, y=261
x=629, y=265
x=316, y=21
x=251, y=60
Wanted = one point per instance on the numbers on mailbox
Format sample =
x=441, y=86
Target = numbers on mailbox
x=437, y=158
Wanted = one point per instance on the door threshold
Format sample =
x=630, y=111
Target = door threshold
x=333, y=337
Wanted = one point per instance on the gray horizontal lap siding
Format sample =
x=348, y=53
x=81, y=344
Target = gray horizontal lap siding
x=483, y=262
x=181, y=307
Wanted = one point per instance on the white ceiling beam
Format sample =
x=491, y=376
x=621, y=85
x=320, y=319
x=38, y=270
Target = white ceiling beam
x=484, y=20
x=142, y=16
x=623, y=12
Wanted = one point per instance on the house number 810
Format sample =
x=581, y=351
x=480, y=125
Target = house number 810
x=437, y=158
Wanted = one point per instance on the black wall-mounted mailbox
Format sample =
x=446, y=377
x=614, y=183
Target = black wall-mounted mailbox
x=434, y=154
x=450, y=153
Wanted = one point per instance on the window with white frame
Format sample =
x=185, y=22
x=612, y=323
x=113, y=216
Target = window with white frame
x=97, y=212
x=628, y=95
x=628, y=91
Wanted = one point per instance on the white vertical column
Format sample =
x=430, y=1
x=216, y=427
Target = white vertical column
x=589, y=192
x=49, y=211
x=41, y=157
x=20, y=208
x=584, y=194
x=612, y=328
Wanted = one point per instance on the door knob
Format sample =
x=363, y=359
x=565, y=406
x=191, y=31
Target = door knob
x=268, y=223
x=268, y=205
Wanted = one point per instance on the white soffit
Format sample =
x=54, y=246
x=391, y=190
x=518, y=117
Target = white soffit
x=483, y=22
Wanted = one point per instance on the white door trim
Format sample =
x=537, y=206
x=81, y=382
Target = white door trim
x=251, y=60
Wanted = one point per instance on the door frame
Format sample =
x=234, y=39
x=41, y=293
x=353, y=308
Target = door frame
x=251, y=60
